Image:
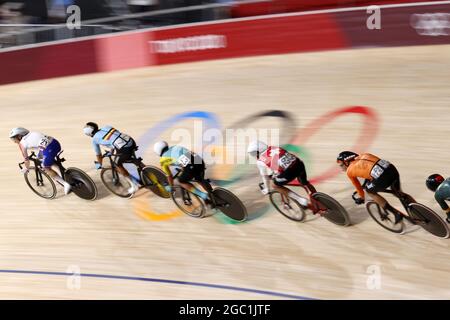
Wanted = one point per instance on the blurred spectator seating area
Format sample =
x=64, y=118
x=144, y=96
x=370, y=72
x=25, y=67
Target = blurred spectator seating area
x=31, y=21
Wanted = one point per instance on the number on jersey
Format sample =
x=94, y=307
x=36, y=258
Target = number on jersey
x=44, y=142
x=183, y=160
x=287, y=160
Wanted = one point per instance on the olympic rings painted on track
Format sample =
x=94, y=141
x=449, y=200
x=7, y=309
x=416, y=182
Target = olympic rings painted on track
x=143, y=208
x=365, y=139
x=291, y=138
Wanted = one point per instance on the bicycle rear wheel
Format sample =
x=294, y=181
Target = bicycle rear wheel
x=155, y=180
x=429, y=220
x=188, y=202
x=291, y=209
x=384, y=219
x=116, y=183
x=40, y=183
x=229, y=204
x=82, y=185
x=335, y=212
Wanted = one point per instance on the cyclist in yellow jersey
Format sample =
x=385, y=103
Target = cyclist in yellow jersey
x=182, y=164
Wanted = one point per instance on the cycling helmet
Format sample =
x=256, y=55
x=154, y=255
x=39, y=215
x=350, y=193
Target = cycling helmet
x=90, y=129
x=434, y=181
x=160, y=147
x=346, y=156
x=18, y=132
x=255, y=147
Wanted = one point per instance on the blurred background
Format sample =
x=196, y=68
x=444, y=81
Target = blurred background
x=30, y=21
x=329, y=80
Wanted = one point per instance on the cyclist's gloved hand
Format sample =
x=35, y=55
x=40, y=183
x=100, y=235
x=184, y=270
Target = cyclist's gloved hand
x=357, y=199
x=98, y=166
x=24, y=170
x=265, y=191
x=168, y=188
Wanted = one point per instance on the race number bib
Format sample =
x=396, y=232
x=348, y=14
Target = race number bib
x=287, y=160
x=45, y=141
x=121, y=141
x=183, y=161
x=379, y=168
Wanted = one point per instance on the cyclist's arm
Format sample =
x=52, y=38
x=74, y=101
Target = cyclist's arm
x=98, y=151
x=265, y=174
x=358, y=186
x=24, y=152
x=165, y=166
x=441, y=201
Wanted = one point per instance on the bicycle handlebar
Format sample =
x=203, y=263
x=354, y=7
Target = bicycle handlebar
x=32, y=157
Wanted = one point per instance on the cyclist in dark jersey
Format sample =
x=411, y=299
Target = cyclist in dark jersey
x=441, y=189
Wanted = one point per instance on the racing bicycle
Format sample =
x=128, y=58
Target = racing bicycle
x=44, y=186
x=118, y=184
x=192, y=205
x=318, y=203
x=416, y=213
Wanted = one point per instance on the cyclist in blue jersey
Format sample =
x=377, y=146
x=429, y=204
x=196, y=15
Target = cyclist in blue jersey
x=119, y=143
x=182, y=164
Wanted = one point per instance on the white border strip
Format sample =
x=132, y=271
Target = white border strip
x=179, y=26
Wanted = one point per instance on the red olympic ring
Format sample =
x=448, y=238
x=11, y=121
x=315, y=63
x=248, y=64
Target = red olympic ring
x=365, y=139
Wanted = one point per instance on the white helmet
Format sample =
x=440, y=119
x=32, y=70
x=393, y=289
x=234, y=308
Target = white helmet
x=256, y=147
x=18, y=132
x=89, y=131
x=159, y=147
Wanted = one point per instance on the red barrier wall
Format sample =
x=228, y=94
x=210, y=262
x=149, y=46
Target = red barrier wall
x=415, y=25
x=282, y=6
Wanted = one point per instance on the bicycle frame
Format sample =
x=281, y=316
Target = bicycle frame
x=404, y=201
x=205, y=183
x=313, y=203
x=38, y=166
x=113, y=157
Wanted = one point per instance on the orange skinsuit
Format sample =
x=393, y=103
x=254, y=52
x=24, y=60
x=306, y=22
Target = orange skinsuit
x=361, y=168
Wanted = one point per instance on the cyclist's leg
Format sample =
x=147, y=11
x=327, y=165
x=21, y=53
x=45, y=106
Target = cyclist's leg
x=123, y=155
x=49, y=159
x=279, y=182
x=186, y=176
x=388, y=179
x=303, y=179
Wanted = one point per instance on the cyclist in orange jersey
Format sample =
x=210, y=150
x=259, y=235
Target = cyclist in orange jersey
x=379, y=175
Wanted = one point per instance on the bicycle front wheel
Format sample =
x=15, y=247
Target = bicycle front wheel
x=82, y=185
x=383, y=218
x=116, y=183
x=334, y=212
x=40, y=183
x=187, y=202
x=288, y=207
x=229, y=204
x=429, y=220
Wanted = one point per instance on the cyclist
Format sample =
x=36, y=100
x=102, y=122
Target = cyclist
x=47, y=147
x=119, y=143
x=441, y=189
x=184, y=165
x=379, y=175
x=280, y=166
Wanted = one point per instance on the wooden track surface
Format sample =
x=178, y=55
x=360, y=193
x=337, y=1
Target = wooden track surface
x=407, y=87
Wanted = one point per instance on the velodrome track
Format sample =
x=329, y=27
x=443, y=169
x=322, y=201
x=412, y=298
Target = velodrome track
x=143, y=248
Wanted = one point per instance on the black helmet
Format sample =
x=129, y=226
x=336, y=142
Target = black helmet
x=346, y=157
x=434, y=181
x=90, y=129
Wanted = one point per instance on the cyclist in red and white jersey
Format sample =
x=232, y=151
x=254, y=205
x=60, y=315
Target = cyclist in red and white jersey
x=280, y=166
